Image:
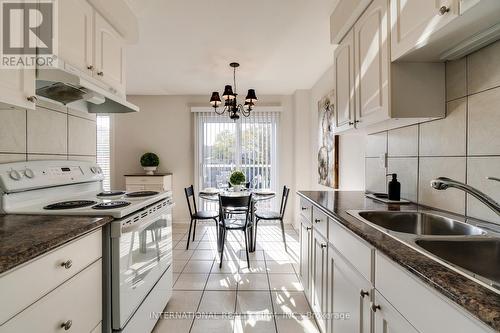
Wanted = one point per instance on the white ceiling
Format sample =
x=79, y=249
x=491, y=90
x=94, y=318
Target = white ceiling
x=185, y=46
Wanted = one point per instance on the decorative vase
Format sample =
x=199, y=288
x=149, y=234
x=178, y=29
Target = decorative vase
x=237, y=188
x=150, y=170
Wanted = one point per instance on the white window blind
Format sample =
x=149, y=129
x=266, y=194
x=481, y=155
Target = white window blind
x=104, y=148
x=249, y=145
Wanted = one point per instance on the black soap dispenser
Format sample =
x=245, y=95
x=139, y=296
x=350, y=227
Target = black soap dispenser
x=394, y=188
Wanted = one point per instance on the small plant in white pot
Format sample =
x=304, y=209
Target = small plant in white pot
x=150, y=162
x=237, y=179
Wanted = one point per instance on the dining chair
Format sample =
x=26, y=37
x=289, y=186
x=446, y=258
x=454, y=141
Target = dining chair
x=198, y=214
x=274, y=216
x=230, y=222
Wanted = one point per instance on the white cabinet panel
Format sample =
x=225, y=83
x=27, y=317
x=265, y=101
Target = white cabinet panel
x=76, y=46
x=388, y=319
x=305, y=256
x=109, y=54
x=371, y=59
x=16, y=86
x=344, y=83
x=78, y=303
x=414, y=21
x=319, y=276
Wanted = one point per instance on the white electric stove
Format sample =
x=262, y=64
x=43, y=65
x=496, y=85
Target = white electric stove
x=137, y=248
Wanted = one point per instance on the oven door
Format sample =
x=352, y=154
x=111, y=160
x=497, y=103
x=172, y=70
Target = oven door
x=141, y=251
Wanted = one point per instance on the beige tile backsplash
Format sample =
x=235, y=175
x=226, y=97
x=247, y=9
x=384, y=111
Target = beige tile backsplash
x=49, y=132
x=464, y=146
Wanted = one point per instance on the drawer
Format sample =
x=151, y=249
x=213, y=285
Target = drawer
x=353, y=248
x=23, y=286
x=144, y=180
x=306, y=209
x=411, y=298
x=78, y=300
x=320, y=222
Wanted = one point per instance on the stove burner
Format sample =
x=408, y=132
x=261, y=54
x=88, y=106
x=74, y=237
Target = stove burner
x=111, y=205
x=141, y=194
x=110, y=193
x=70, y=204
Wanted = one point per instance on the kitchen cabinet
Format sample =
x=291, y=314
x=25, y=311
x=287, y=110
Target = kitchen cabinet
x=17, y=88
x=371, y=64
x=414, y=21
x=344, y=84
x=349, y=296
x=387, y=319
x=305, y=255
x=318, y=279
x=70, y=292
x=109, y=55
x=76, y=41
x=374, y=94
x=158, y=182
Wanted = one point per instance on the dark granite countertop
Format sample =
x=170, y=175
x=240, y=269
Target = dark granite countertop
x=478, y=300
x=24, y=237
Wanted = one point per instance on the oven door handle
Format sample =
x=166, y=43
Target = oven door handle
x=117, y=229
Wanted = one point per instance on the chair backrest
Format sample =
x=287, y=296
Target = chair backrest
x=190, y=196
x=284, y=200
x=243, y=203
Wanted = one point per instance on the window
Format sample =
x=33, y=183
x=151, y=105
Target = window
x=248, y=144
x=104, y=148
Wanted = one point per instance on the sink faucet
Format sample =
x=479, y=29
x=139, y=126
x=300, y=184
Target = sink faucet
x=442, y=183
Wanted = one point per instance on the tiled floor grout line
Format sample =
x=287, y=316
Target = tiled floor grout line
x=201, y=298
x=273, y=312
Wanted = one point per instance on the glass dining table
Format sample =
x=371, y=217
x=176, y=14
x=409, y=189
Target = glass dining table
x=258, y=196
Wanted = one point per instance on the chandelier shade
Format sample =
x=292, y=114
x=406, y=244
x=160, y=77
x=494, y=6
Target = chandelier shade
x=251, y=97
x=215, y=99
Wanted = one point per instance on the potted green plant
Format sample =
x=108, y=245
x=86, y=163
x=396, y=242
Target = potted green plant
x=150, y=162
x=237, y=179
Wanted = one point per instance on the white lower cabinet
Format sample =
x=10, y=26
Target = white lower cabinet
x=75, y=306
x=319, y=275
x=353, y=288
x=349, y=295
x=305, y=255
x=388, y=319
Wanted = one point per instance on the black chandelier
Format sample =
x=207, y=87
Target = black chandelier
x=231, y=105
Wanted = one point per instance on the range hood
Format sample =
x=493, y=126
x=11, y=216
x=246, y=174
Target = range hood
x=65, y=85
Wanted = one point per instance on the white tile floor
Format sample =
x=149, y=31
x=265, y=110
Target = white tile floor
x=267, y=297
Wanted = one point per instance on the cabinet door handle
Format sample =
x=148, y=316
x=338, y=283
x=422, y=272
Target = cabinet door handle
x=90, y=67
x=67, y=264
x=363, y=293
x=67, y=325
x=374, y=307
x=317, y=220
x=308, y=228
x=303, y=208
x=32, y=99
x=443, y=10
x=323, y=246
x=100, y=73
x=351, y=123
x=357, y=121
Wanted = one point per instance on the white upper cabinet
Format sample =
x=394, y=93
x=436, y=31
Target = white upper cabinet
x=76, y=45
x=344, y=83
x=371, y=59
x=17, y=88
x=414, y=21
x=109, y=55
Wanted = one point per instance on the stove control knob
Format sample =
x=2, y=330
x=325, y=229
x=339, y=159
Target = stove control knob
x=99, y=170
x=15, y=175
x=93, y=169
x=29, y=173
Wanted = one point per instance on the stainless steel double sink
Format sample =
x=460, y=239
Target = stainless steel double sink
x=469, y=249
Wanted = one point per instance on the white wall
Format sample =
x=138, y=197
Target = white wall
x=165, y=125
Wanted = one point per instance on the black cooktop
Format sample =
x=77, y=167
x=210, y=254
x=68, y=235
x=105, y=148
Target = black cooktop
x=70, y=204
x=111, y=205
x=140, y=194
x=110, y=193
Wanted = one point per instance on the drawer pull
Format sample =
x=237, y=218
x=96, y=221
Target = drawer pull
x=317, y=220
x=308, y=228
x=67, y=264
x=374, y=307
x=443, y=10
x=323, y=246
x=363, y=293
x=303, y=208
x=67, y=325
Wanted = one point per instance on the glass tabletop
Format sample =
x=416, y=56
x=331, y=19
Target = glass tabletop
x=258, y=194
